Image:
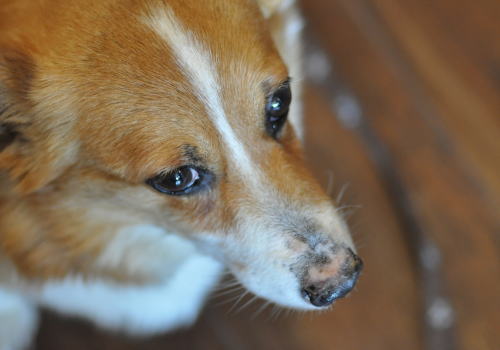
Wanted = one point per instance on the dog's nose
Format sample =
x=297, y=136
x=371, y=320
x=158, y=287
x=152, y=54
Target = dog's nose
x=324, y=293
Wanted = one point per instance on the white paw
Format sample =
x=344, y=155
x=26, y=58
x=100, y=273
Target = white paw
x=18, y=321
x=138, y=310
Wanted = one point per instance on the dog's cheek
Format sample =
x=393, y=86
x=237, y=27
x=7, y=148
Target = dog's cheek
x=38, y=247
x=35, y=143
x=31, y=169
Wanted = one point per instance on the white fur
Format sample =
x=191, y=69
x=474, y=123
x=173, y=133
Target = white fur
x=269, y=7
x=18, y=321
x=293, y=28
x=146, y=250
x=267, y=252
x=268, y=276
x=138, y=310
x=289, y=43
x=196, y=62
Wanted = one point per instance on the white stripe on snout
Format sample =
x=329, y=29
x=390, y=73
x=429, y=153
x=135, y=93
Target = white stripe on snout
x=197, y=64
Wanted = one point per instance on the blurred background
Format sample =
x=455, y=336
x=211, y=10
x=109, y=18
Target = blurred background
x=403, y=126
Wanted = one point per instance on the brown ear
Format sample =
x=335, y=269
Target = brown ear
x=29, y=150
x=270, y=7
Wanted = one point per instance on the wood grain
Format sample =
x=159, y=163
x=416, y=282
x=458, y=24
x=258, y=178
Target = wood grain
x=438, y=118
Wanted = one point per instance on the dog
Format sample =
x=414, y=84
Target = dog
x=147, y=145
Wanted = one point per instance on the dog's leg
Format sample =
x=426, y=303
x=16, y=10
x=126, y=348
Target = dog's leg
x=18, y=321
x=139, y=310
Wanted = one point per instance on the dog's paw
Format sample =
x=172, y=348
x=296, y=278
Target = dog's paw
x=18, y=322
x=138, y=310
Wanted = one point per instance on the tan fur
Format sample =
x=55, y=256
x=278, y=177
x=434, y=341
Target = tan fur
x=106, y=112
x=95, y=99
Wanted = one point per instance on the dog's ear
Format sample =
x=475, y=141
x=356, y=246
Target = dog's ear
x=29, y=152
x=270, y=7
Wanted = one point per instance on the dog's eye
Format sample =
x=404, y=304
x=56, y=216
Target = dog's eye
x=183, y=180
x=277, y=108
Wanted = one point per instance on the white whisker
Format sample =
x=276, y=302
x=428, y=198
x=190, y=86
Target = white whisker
x=261, y=308
x=341, y=193
x=238, y=300
x=254, y=298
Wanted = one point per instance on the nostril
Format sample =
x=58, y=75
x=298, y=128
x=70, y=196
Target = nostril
x=309, y=292
x=357, y=264
x=317, y=297
x=325, y=294
x=311, y=289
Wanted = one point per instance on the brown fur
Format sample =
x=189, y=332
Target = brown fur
x=96, y=105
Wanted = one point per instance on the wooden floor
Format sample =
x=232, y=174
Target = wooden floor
x=409, y=119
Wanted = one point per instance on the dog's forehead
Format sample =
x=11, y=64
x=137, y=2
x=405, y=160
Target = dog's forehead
x=231, y=36
x=224, y=44
x=232, y=30
x=227, y=62
x=178, y=74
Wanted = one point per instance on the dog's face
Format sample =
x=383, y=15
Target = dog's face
x=172, y=115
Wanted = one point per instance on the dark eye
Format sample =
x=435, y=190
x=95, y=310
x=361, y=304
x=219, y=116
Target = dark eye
x=277, y=108
x=181, y=181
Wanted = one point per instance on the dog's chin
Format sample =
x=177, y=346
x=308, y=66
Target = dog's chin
x=282, y=292
x=294, y=302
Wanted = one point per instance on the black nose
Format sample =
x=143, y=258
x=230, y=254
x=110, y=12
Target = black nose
x=324, y=293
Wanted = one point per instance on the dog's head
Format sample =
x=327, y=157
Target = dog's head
x=115, y=115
